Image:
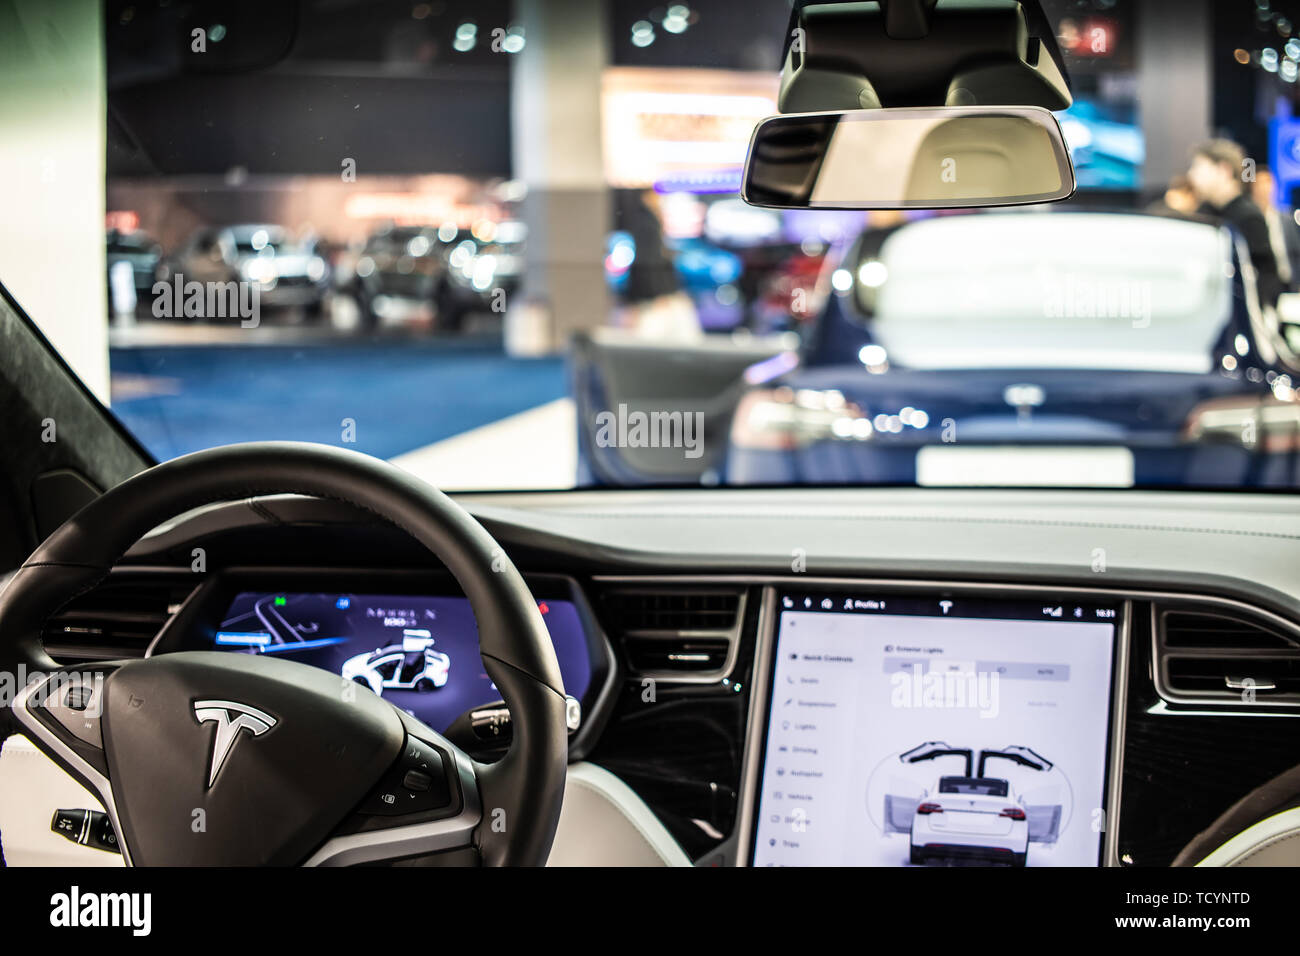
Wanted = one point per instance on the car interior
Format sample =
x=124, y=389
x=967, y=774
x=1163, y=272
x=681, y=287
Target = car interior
x=948, y=579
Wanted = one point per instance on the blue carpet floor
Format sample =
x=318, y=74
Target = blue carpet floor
x=402, y=394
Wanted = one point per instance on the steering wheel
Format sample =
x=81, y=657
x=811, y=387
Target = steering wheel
x=209, y=758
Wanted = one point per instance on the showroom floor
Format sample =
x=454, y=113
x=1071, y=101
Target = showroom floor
x=403, y=396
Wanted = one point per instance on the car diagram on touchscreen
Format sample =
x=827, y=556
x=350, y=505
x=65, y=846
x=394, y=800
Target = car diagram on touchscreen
x=939, y=803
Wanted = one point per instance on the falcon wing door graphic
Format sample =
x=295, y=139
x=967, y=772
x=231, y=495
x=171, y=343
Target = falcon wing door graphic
x=934, y=749
x=411, y=665
x=1042, y=804
x=900, y=805
x=1021, y=755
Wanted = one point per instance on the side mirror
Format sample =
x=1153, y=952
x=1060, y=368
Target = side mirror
x=944, y=157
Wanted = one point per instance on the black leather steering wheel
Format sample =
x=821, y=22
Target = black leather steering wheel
x=205, y=757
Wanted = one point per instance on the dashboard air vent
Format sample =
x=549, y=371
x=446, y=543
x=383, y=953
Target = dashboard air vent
x=650, y=654
x=1214, y=656
x=118, y=619
x=675, y=633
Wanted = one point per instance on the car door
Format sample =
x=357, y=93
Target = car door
x=905, y=794
x=1043, y=804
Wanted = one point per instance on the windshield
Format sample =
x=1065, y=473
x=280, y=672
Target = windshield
x=502, y=245
x=1094, y=291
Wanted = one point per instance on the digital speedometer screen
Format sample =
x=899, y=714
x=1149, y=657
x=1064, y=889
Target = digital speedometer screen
x=908, y=730
x=419, y=653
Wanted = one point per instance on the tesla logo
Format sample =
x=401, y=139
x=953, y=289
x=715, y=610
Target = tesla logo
x=1024, y=396
x=230, y=718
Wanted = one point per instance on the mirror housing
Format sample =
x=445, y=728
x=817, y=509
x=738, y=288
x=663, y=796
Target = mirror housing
x=944, y=157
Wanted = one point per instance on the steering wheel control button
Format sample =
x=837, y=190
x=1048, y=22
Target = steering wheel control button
x=76, y=702
x=415, y=780
x=78, y=698
x=417, y=784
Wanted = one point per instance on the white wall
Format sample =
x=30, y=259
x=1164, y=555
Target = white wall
x=52, y=116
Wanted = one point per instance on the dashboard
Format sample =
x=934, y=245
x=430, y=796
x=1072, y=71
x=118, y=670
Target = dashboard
x=881, y=676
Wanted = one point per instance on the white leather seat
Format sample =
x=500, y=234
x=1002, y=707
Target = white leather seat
x=603, y=823
x=1273, y=841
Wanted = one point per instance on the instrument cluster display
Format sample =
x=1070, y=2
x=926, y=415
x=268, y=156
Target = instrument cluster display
x=419, y=652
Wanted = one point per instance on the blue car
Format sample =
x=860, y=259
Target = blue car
x=1111, y=349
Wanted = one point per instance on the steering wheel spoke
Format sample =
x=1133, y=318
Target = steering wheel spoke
x=61, y=712
x=424, y=809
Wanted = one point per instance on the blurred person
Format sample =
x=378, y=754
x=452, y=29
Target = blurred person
x=1216, y=175
x=1283, y=232
x=654, y=303
x=1178, y=199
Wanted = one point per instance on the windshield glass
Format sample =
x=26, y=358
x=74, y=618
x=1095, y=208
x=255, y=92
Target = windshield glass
x=501, y=244
x=1096, y=290
x=983, y=786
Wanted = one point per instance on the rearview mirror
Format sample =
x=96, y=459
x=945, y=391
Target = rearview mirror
x=944, y=157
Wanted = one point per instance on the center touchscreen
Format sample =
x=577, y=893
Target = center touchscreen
x=910, y=731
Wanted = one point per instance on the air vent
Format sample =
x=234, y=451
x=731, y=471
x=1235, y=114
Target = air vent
x=116, y=620
x=685, y=634
x=673, y=610
x=1213, y=656
x=650, y=654
x=1205, y=629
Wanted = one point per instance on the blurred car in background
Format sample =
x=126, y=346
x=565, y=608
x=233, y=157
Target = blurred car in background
x=484, y=269
x=708, y=273
x=794, y=291
x=1109, y=349
x=399, y=274
x=138, y=252
x=711, y=276
x=288, y=273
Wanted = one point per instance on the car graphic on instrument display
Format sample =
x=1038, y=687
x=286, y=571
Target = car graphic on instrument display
x=975, y=818
x=411, y=665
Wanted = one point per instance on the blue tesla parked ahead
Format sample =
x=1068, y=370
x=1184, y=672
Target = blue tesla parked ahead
x=1032, y=348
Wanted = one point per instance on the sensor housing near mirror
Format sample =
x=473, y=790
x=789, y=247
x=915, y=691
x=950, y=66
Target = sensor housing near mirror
x=944, y=157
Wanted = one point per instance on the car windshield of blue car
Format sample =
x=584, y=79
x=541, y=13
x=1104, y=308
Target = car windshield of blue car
x=505, y=247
